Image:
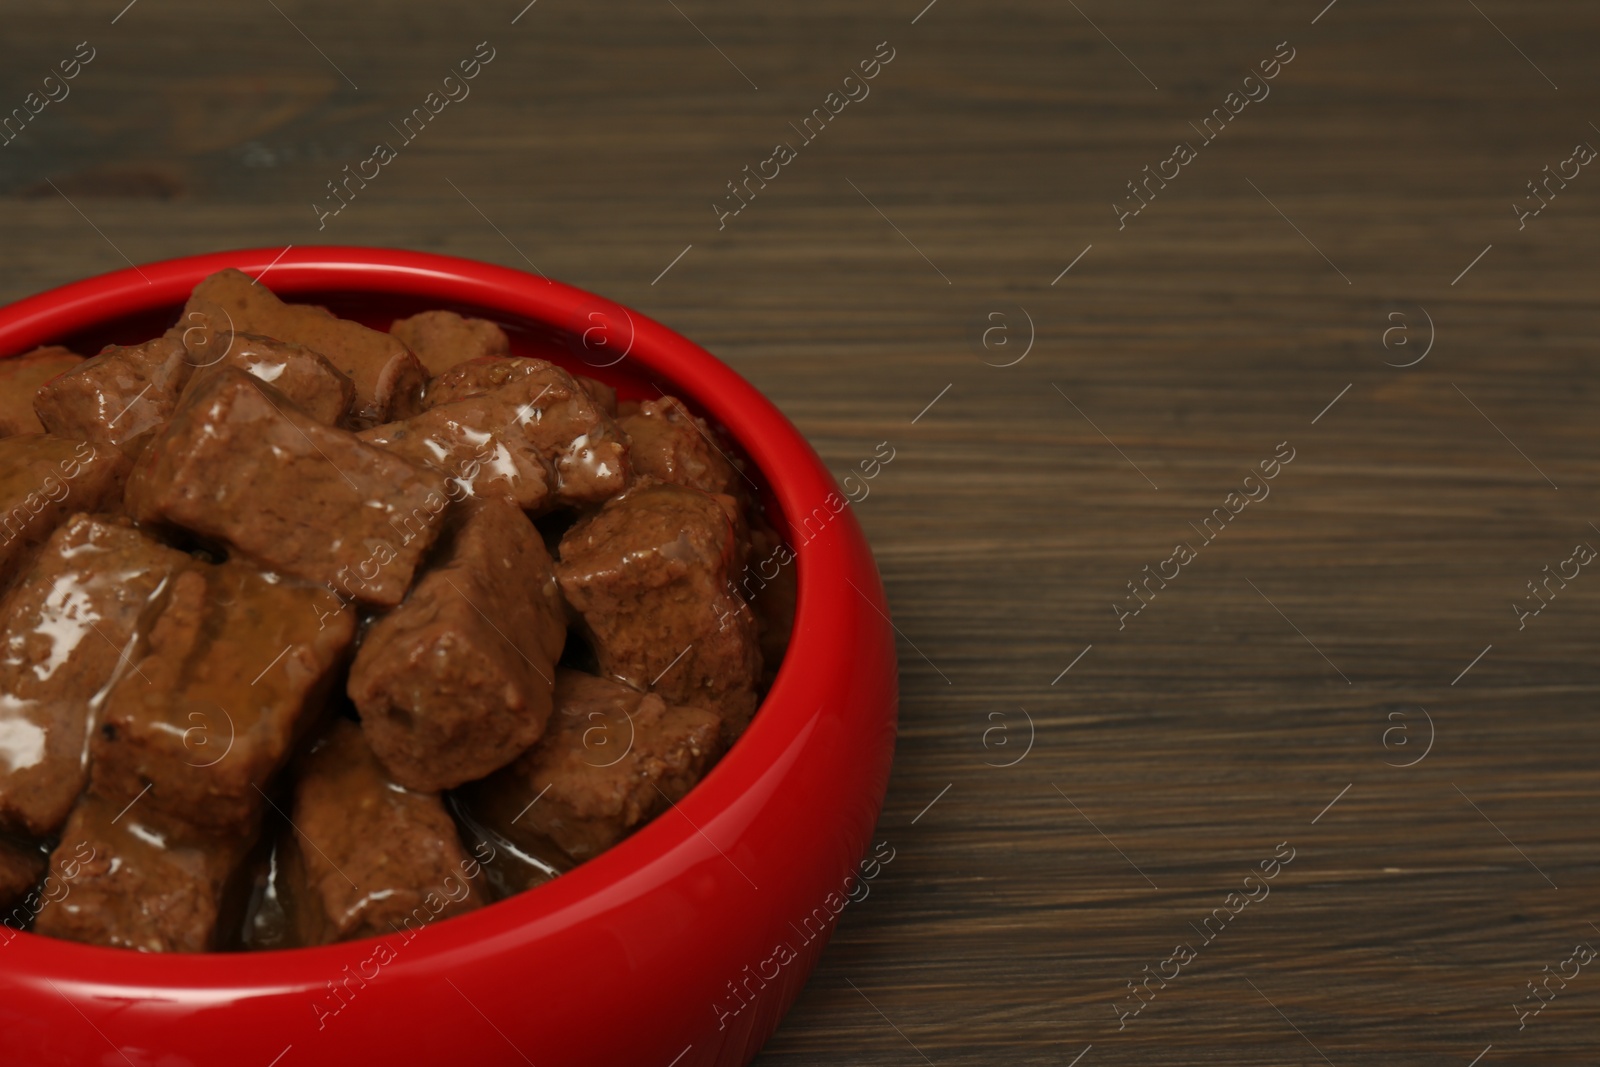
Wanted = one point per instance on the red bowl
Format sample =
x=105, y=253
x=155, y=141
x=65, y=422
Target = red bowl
x=665, y=951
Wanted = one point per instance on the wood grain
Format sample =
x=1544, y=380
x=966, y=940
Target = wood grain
x=1283, y=667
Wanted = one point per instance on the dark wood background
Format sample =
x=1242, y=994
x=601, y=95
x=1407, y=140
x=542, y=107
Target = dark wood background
x=1295, y=661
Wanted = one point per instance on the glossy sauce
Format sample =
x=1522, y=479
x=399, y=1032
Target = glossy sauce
x=70, y=626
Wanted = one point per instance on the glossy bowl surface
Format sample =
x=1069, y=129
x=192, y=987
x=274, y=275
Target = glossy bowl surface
x=682, y=946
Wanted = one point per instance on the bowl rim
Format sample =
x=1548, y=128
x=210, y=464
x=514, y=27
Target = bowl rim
x=794, y=475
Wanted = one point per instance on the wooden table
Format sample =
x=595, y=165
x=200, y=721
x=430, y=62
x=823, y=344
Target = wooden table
x=1339, y=673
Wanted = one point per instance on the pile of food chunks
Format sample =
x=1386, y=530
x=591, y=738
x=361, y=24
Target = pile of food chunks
x=314, y=632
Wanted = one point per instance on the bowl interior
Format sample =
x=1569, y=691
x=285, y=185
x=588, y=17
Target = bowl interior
x=600, y=350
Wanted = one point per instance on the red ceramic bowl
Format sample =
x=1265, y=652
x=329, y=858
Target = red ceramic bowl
x=664, y=951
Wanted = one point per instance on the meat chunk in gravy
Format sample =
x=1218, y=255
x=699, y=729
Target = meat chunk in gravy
x=672, y=445
x=648, y=573
x=43, y=479
x=388, y=378
x=441, y=339
x=141, y=882
x=241, y=465
x=120, y=396
x=386, y=859
x=476, y=443
x=235, y=668
x=20, y=378
x=66, y=630
x=456, y=682
x=600, y=392
x=553, y=413
x=304, y=377
x=612, y=759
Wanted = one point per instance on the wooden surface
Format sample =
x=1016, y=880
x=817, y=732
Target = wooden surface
x=1289, y=664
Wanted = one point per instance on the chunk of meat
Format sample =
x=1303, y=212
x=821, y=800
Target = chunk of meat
x=243, y=466
x=21, y=868
x=601, y=393
x=441, y=339
x=612, y=759
x=386, y=858
x=388, y=378
x=119, y=396
x=43, y=479
x=456, y=682
x=554, y=413
x=20, y=378
x=669, y=443
x=308, y=380
x=648, y=573
x=473, y=442
x=235, y=669
x=139, y=881
x=65, y=630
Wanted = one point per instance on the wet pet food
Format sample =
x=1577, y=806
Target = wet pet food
x=313, y=631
